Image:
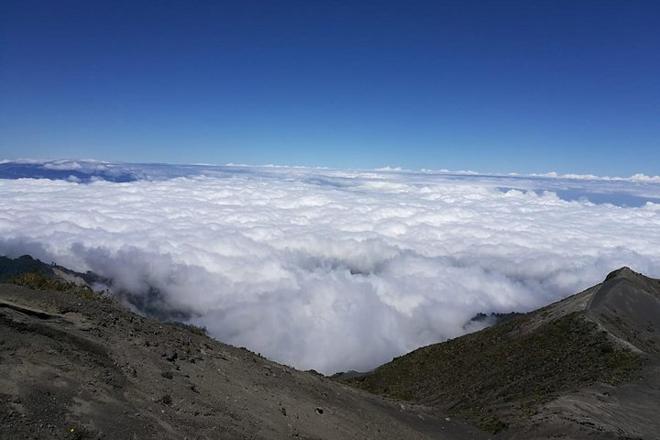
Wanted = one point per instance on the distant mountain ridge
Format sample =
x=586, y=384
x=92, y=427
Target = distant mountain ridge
x=19, y=270
x=65, y=170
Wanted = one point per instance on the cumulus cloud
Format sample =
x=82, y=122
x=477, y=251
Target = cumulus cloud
x=332, y=270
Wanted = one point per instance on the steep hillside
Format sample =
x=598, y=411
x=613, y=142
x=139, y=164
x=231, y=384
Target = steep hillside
x=76, y=365
x=564, y=369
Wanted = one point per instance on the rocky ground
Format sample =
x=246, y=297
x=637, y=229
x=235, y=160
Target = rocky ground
x=76, y=365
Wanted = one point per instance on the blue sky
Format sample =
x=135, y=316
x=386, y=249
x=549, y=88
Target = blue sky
x=489, y=85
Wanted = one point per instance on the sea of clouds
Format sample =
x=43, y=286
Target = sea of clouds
x=326, y=269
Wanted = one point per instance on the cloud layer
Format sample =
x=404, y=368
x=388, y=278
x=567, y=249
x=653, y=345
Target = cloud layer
x=333, y=270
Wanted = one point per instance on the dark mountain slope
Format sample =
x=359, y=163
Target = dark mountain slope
x=76, y=365
x=34, y=273
x=581, y=367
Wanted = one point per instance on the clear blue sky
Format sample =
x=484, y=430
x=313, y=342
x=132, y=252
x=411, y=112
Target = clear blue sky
x=571, y=86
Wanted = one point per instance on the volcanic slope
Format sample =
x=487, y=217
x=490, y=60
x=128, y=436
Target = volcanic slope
x=585, y=367
x=78, y=365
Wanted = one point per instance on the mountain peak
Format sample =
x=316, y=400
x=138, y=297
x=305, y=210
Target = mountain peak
x=622, y=272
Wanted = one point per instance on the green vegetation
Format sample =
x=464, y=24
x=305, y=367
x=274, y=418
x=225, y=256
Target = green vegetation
x=40, y=281
x=501, y=373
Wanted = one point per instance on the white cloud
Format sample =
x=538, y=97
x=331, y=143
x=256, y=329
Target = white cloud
x=326, y=269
